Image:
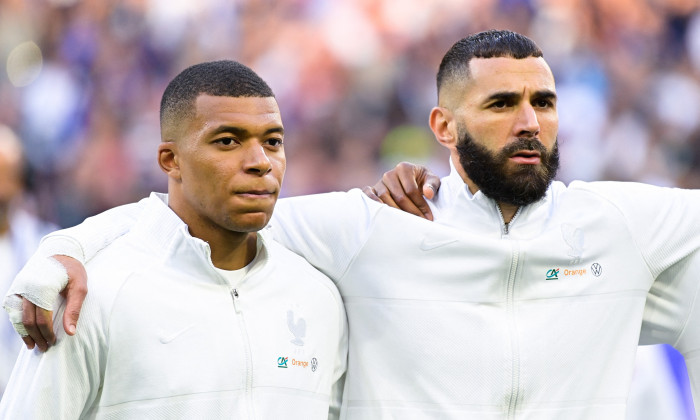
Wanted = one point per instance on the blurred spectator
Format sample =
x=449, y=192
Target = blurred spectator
x=20, y=232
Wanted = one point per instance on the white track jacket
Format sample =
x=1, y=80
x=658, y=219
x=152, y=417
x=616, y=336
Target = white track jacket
x=163, y=336
x=469, y=318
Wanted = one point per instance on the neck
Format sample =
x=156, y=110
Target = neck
x=230, y=250
x=230, y=256
x=507, y=210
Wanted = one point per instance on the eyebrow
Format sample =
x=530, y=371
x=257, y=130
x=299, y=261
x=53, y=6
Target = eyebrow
x=545, y=94
x=513, y=96
x=242, y=132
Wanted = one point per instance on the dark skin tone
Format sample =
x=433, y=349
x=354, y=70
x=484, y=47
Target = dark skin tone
x=225, y=167
x=510, y=97
x=403, y=187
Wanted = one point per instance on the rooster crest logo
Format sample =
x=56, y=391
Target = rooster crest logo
x=297, y=328
x=574, y=238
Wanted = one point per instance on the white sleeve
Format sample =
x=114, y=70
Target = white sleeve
x=85, y=240
x=328, y=230
x=665, y=222
x=62, y=383
x=41, y=278
x=666, y=225
x=672, y=315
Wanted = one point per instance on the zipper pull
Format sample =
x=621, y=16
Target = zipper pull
x=234, y=296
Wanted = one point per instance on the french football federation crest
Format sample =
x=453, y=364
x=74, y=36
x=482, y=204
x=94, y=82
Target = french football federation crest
x=573, y=237
x=297, y=328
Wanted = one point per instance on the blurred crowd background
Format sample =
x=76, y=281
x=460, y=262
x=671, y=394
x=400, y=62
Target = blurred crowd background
x=355, y=79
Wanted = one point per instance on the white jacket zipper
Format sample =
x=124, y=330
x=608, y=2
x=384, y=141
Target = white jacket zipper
x=513, y=332
x=514, y=392
x=246, y=349
x=505, y=226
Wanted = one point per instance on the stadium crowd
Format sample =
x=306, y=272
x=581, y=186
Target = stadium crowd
x=354, y=80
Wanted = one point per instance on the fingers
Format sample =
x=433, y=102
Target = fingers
x=75, y=291
x=38, y=324
x=75, y=295
x=28, y=342
x=428, y=191
x=403, y=188
x=371, y=193
x=431, y=185
x=385, y=188
x=406, y=188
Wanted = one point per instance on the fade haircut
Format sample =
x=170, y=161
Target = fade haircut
x=215, y=78
x=487, y=44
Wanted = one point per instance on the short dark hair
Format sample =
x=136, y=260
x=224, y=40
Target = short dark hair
x=215, y=78
x=487, y=44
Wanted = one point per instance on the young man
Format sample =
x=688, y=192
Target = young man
x=274, y=327
x=525, y=297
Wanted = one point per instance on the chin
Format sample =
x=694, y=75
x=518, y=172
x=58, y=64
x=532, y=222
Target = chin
x=250, y=222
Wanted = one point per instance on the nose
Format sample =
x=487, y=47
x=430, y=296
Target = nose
x=527, y=124
x=256, y=160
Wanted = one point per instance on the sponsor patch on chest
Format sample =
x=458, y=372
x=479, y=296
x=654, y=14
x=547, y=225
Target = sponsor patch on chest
x=558, y=273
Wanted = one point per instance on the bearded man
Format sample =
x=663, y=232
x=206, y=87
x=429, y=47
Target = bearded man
x=525, y=298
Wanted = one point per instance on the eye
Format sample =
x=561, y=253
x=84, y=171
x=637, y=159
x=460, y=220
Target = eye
x=499, y=104
x=225, y=141
x=543, y=103
x=274, y=142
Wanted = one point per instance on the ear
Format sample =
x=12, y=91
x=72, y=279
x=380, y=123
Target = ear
x=442, y=123
x=168, y=159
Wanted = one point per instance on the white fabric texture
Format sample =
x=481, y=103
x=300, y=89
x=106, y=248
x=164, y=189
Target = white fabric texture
x=42, y=277
x=162, y=335
x=463, y=318
x=41, y=281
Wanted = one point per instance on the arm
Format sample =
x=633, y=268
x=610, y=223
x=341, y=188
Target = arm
x=328, y=230
x=57, y=267
x=666, y=225
x=62, y=383
x=672, y=315
x=406, y=187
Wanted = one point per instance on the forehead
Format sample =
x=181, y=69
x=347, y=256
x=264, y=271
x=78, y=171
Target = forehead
x=509, y=74
x=250, y=113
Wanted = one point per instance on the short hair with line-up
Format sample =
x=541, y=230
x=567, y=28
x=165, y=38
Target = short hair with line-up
x=215, y=78
x=487, y=44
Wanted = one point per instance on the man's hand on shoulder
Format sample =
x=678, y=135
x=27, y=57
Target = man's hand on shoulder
x=30, y=300
x=406, y=188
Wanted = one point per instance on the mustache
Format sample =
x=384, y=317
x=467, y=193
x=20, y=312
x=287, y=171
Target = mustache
x=524, y=143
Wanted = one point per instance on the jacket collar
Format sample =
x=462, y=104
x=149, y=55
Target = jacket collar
x=159, y=228
x=457, y=207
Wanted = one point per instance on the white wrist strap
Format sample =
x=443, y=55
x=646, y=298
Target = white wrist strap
x=40, y=281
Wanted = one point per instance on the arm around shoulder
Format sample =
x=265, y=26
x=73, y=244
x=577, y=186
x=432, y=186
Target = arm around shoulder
x=326, y=229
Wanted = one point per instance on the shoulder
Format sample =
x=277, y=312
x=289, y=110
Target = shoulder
x=626, y=194
x=298, y=272
x=328, y=203
x=109, y=270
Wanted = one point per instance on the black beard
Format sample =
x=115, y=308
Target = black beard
x=521, y=186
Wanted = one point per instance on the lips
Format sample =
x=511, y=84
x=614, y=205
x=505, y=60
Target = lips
x=526, y=157
x=254, y=194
